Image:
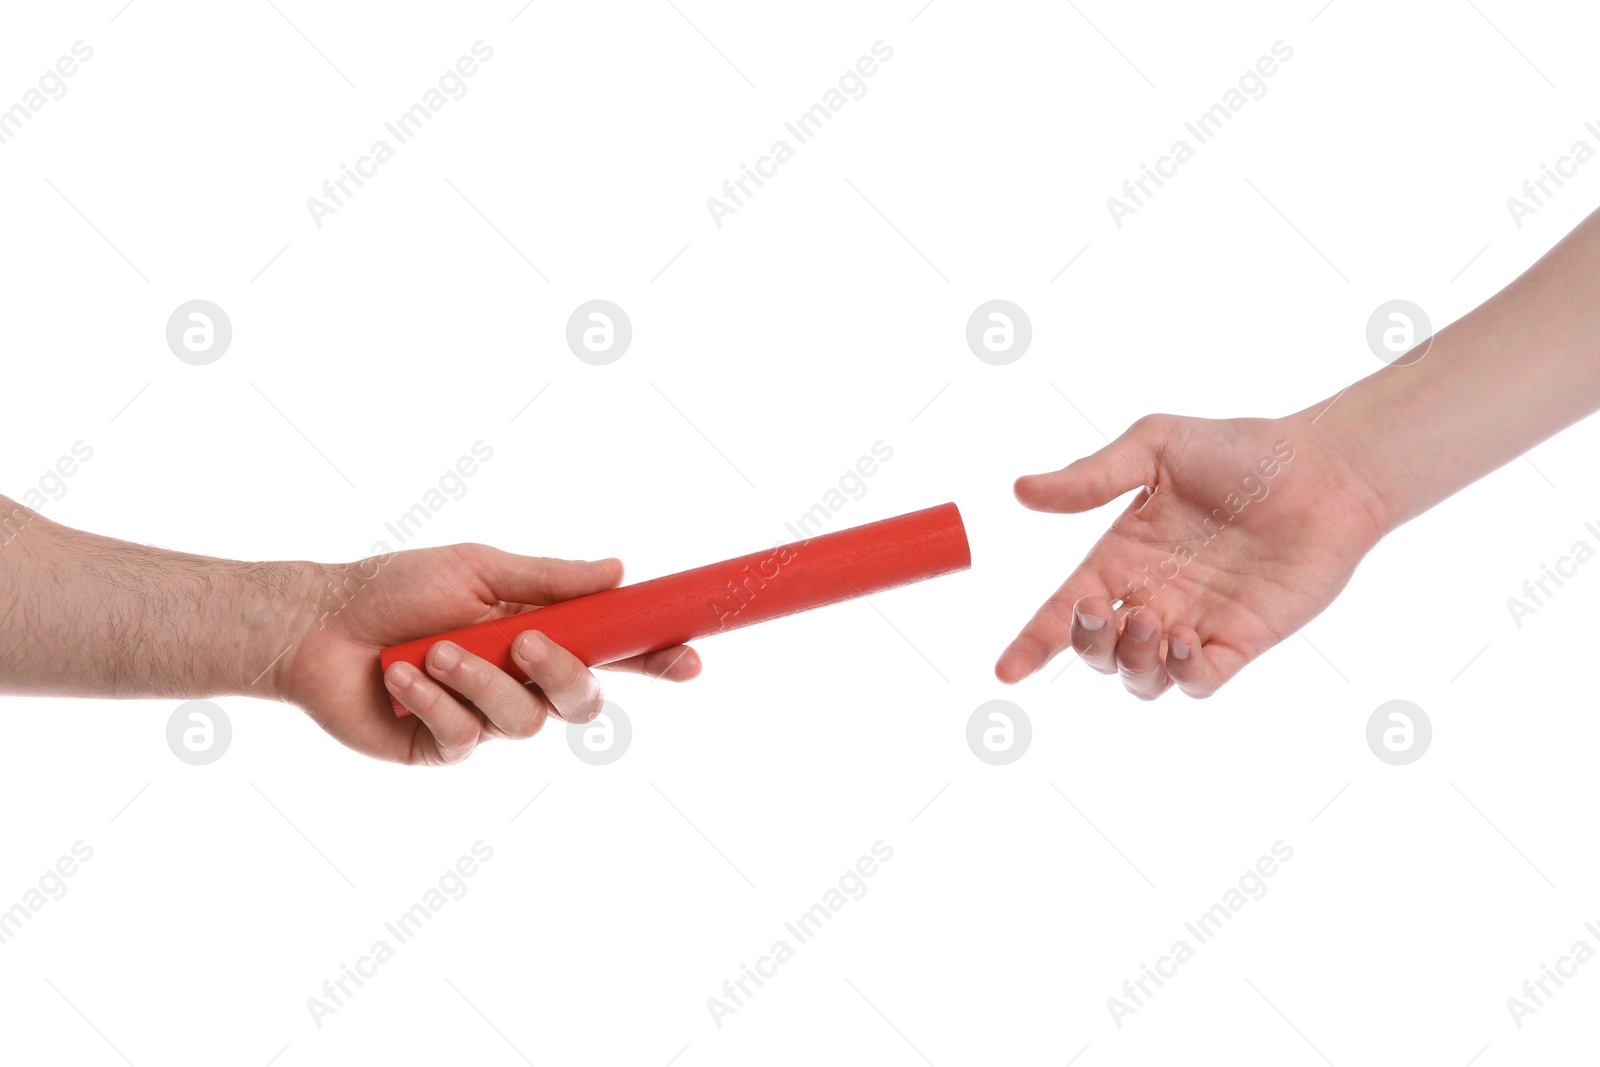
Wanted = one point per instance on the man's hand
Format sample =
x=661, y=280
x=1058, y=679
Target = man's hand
x=1243, y=530
x=330, y=669
x=92, y=616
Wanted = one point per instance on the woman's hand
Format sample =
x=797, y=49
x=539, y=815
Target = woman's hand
x=1243, y=530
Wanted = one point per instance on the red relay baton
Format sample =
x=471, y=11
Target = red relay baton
x=615, y=624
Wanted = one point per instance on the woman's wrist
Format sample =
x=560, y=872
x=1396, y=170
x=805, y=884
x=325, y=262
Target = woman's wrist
x=1481, y=392
x=1380, y=431
x=1435, y=422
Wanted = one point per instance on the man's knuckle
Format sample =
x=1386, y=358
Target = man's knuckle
x=460, y=740
x=524, y=724
x=567, y=674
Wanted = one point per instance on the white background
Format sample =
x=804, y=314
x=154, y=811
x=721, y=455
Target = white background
x=822, y=317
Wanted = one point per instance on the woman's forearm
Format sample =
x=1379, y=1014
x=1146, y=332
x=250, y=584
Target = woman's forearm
x=93, y=616
x=1516, y=370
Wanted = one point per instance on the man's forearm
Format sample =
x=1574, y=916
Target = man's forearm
x=84, y=615
x=1513, y=372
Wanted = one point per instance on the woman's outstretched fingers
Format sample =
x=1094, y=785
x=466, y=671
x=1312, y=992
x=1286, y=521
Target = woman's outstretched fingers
x=1094, y=632
x=1199, y=669
x=1139, y=655
x=1047, y=633
x=452, y=729
x=571, y=688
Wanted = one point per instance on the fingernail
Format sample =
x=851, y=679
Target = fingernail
x=530, y=644
x=446, y=655
x=1090, y=622
x=402, y=676
x=1138, y=629
x=1179, y=649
